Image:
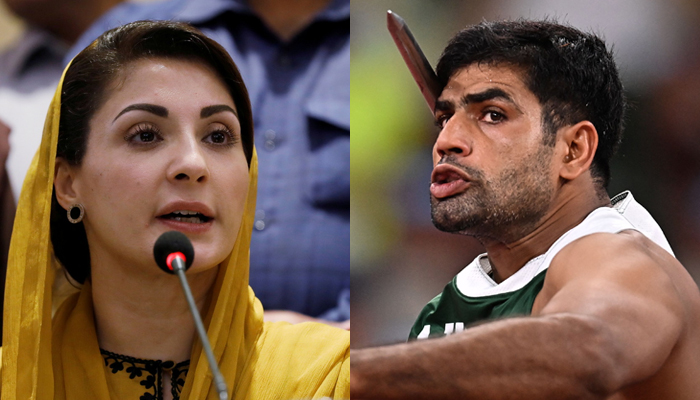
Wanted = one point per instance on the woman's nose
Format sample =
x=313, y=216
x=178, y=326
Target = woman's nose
x=190, y=162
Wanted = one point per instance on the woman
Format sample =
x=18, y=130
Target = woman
x=150, y=132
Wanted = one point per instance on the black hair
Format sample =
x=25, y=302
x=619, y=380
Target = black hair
x=572, y=74
x=85, y=90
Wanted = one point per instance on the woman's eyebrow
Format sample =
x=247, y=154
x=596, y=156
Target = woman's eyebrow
x=151, y=108
x=211, y=110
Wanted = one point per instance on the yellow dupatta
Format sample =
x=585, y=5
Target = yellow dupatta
x=60, y=359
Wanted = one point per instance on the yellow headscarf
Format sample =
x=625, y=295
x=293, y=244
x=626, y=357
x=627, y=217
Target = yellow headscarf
x=60, y=359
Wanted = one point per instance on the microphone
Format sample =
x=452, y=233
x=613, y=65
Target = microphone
x=172, y=246
x=174, y=254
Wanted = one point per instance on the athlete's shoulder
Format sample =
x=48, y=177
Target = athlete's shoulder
x=626, y=262
x=622, y=248
x=620, y=236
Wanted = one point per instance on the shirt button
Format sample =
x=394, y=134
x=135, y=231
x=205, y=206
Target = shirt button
x=259, y=220
x=270, y=143
x=284, y=60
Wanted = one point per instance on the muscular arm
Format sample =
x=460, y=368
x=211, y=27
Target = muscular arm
x=610, y=317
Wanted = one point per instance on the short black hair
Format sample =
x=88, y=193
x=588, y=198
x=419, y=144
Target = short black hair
x=86, y=88
x=572, y=74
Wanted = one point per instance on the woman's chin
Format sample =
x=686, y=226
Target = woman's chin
x=207, y=257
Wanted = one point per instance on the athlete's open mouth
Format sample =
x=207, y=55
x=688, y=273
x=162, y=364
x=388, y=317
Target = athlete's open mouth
x=447, y=181
x=445, y=173
x=446, y=177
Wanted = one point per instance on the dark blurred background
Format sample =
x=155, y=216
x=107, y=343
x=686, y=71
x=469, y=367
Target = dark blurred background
x=399, y=260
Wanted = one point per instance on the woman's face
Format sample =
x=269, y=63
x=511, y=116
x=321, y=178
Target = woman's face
x=164, y=153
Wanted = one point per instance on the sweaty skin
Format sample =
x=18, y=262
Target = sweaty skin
x=617, y=317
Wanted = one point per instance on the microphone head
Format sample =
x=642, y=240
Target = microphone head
x=172, y=242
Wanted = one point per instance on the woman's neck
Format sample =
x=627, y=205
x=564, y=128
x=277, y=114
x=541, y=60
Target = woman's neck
x=146, y=315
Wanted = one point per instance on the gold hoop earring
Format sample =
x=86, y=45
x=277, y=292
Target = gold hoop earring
x=74, y=209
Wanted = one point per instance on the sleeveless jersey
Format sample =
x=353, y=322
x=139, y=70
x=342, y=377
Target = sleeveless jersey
x=472, y=296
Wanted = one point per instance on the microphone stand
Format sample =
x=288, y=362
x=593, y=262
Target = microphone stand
x=179, y=269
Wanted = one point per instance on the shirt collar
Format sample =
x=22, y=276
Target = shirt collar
x=337, y=10
x=204, y=10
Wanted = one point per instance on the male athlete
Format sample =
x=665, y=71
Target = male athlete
x=581, y=294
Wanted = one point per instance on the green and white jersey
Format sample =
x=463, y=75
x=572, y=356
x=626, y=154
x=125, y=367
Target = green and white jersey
x=472, y=296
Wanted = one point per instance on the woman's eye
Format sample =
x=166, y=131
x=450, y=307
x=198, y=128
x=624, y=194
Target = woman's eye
x=221, y=136
x=144, y=134
x=218, y=137
x=147, y=136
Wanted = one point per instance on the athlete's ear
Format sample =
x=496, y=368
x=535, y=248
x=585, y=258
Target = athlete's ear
x=576, y=145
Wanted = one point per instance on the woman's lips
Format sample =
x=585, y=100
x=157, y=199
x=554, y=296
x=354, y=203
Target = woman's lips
x=187, y=227
x=186, y=216
x=442, y=190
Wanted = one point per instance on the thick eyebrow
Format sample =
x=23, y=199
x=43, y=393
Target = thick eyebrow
x=488, y=94
x=151, y=108
x=211, y=110
x=443, y=105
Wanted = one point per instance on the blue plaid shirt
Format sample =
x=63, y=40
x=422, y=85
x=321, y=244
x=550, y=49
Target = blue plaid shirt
x=300, y=93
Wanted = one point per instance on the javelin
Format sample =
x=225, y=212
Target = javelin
x=414, y=58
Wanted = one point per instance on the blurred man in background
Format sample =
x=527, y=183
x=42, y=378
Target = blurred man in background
x=32, y=66
x=29, y=72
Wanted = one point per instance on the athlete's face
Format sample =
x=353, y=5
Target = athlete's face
x=493, y=175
